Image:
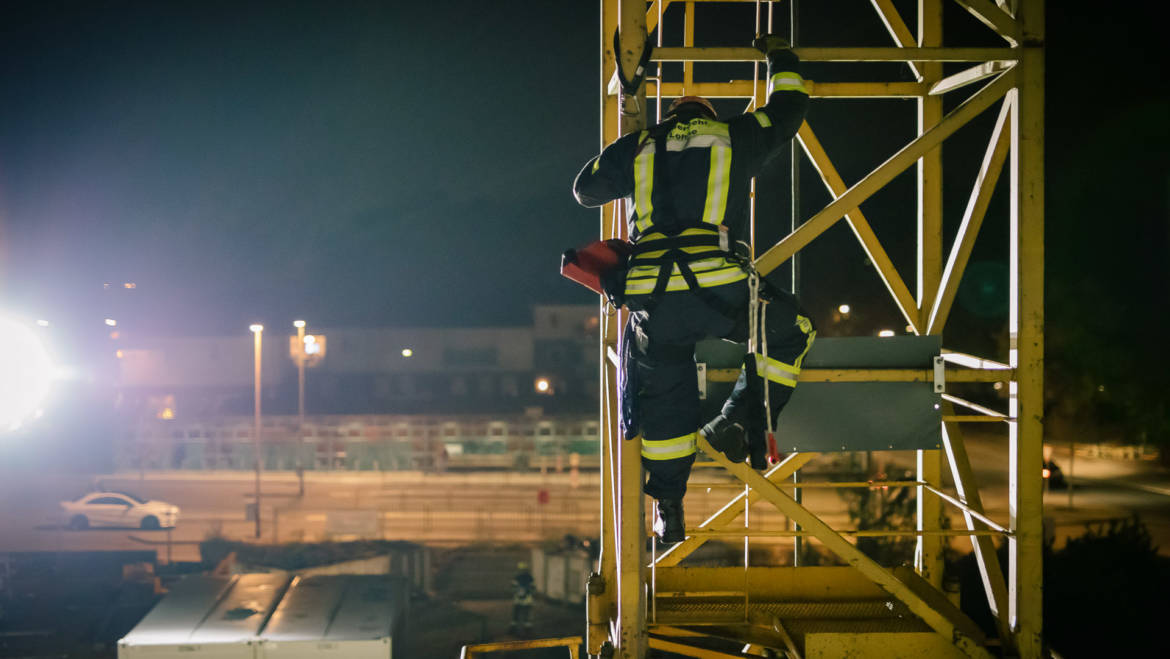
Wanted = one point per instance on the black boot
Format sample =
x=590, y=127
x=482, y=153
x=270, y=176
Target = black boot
x=668, y=521
x=757, y=437
x=728, y=437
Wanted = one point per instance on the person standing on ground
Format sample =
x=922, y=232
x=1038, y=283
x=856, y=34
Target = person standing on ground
x=523, y=588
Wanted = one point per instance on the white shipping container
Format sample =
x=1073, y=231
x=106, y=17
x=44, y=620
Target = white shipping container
x=272, y=616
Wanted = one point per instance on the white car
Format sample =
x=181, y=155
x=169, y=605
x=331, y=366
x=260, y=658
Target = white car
x=119, y=509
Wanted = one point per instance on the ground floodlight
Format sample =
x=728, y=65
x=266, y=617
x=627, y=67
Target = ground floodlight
x=26, y=373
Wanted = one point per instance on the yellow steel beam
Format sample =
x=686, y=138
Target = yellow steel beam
x=927, y=611
x=688, y=42
x=995, y=18
x=874, y=375
x=797, y=584
x=604, y=605
x=689, y=650
x=861, y=228
x=968, y=76
x=629, y=635
x=973, y=418
x=928, y=552
x=571, y=642
x=971, y=361
x=853, y=533
x=733, y=509
x=741, y=54
x=1026, y=330
x=898, y=29
x=984, y=547
x=884, y=173
x=812, y=484
x=929, y=169
x=977, y=204
x=975, y=406
x=652, y=14
x=743, y=89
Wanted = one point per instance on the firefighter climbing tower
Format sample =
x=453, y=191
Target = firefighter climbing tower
x=642, y=600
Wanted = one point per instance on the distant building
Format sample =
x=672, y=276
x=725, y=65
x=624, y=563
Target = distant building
x=551, y=364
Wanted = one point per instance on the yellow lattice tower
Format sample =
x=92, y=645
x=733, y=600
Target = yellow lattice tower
x=638, y=602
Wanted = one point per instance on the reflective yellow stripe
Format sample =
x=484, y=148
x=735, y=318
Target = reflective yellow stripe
x=786, y=81
x=805, y=326
x=717, y=181
x=776, y=371
x=762, y=117
x=643, y=184
x=641, y=280
x=779, y=372
x=668, y=449
x=596, y=165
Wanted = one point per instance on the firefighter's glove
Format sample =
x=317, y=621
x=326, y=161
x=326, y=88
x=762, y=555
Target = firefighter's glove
x=768, y=43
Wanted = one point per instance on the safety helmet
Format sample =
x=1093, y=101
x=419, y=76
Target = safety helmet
x=684, y=100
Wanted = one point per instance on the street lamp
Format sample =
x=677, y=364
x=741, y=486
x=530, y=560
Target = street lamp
x=257, y=333
x=300, y=356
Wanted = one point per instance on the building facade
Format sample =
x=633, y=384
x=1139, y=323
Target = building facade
x=393, y=398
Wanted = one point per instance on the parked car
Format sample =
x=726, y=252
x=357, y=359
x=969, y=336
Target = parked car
x=118, y=509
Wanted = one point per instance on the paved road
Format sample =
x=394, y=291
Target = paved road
x=457, y=508
x=1102, y=489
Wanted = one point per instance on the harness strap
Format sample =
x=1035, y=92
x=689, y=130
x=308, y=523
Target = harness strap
x=676, y=242
x=670, y=258
x=630, y=87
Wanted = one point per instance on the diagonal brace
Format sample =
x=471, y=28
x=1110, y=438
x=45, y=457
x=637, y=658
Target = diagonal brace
x=984, y=547
x=993, y=160
x=861, y=228
x=898, y=29
x=878, y=178
x=995, y=18
x=848, y=552
x=732, y=510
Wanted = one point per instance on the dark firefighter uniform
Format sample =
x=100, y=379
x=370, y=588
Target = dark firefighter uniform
x=685, y=182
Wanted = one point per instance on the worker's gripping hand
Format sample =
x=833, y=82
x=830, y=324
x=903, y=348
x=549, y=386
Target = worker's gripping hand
x=768, y=43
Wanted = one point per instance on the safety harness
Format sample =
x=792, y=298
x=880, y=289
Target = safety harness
x=673, y=256
x=673, y=246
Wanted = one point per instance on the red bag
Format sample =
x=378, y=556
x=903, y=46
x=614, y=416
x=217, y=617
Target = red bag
x=590, y=265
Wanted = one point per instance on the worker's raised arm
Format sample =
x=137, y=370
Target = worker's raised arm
x=761, y=134
x=610, y=175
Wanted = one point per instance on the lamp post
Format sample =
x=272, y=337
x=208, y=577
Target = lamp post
x=257, y=333
x=300, y=355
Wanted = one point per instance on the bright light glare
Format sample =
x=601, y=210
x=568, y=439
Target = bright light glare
x=111, y=322
x=312, y=347
x=844, y=308
x=256, y=328
x=407, y=352
x=298, y=323
x=542, y=385
x=886, y=333
x=26, y=373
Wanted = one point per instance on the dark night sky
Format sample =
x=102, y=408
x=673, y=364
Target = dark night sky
x=366, y=163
